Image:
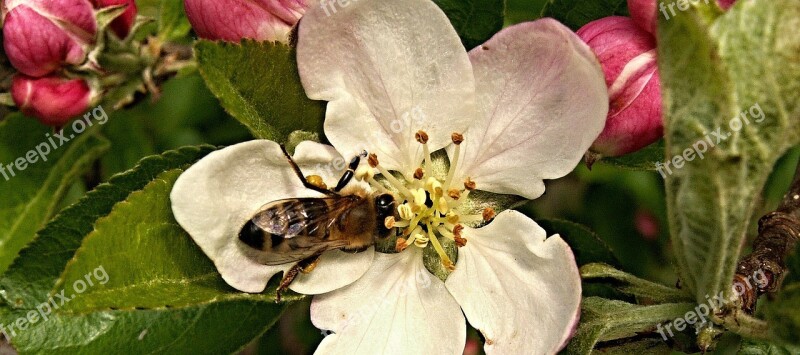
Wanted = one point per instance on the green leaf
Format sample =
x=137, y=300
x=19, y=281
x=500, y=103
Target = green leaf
x=586, y=245
x=258, y=84
x=782, y=314
x=644, y=159
x=31, y=277
x=715, y=68
x=632, y=285
x=749, y=347
x=576, y=13
x=475, y=20
x=172, y=23
x=605, y=320
x=142, y=280
x=31, y=196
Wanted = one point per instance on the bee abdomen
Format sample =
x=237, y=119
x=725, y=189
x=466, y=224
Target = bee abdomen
x=283, y=220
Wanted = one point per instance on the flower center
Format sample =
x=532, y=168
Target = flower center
x=428, y=207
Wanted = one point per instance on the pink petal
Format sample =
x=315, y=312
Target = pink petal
x=54, y=101
x=232, y=20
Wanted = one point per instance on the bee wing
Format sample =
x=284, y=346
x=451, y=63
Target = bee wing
x=291, y=230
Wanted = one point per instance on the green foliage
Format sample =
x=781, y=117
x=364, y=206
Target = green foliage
x=745, y=57
x=783, y=316
x=588, y=247
x=258, y=84
x=632, y=285
x=576, y=13
x=137, y=280
x=605, y=320
x=475, y=20
x=760, y=348
x=172, y=21
x=644, y=159
x=31, y=196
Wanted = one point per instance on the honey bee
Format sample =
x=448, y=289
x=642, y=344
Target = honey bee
x=301, y=229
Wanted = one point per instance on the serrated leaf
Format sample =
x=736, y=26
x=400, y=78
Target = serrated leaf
x=713, y=68
x=172, y=22
x=586, y=245
x=644, y=159
x=31, y=277
x=576, y=13
x=258, y=84
x=605, y=320
x=30, y=197
x=632, y=285
x=475, y=20
x=139, y=276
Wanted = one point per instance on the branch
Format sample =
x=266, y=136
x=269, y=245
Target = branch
x=777, y=236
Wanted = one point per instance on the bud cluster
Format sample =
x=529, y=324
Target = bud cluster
x=50, y=43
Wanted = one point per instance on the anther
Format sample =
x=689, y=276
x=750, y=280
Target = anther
x=317, y=181
x=453, y=218
x=433, y=186
x=457, y=230
x=488, y=214
x=421, y=240
x=469, y=184
x=421, y=137
x=400, y=245
x=372, y=159
x=457, y=138
x=405, y=212
x=419, y=173
x=454, y=194
x=460, y=242
x=389, y=222
x=364, y=173
x=419, y=197
x=442, y=205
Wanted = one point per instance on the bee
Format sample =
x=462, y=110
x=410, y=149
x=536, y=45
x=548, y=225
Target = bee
x=301, y=229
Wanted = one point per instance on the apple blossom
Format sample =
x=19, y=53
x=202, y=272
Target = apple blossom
x=232, y=20
x=53, y=100
x=627, y=54
x=492, y=122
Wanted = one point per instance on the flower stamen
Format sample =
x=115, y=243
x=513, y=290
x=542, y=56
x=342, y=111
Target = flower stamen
x=448, y=264
x=373, y=162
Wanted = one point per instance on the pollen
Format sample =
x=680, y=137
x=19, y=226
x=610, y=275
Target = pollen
x=317, y=181
x=470, y=185
x=457, y=138
x=421, y=137
x=372, y=159
x=454, y=194
x=419, y=173
x=488, y=214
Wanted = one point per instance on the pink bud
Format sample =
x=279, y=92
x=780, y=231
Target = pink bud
x=726, y=4
x=121, y=25
x=41, y=35
x=232, y=20
x=643, y=13
x=628, y=57
x=53, y=100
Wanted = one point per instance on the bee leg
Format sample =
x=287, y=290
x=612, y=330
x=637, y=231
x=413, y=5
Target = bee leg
x=305, y=266
x=348, y=175
x=302, y=177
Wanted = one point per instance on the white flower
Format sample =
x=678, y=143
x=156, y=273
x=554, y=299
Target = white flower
x=528, y=104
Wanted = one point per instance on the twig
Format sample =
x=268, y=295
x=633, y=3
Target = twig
x=778, y=234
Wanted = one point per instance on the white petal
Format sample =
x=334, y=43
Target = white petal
x=214, y=198
x=543, y=101
x=389, y=69
x=397, y=307
x=522, y=291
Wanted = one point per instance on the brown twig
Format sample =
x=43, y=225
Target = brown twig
x=778, y=234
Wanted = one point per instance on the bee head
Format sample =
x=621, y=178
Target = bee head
x=384, y=207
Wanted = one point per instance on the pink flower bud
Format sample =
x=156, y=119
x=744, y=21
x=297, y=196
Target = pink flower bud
x=53, y=100
x=232, y=20
x=726, y=4
x=627, y=54
x=121, y=25
x=41, y=35
x=643, y=13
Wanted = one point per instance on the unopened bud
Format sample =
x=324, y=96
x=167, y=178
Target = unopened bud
x=627, y=54
x=233, y=20
x=52, y=100
x=121, y=25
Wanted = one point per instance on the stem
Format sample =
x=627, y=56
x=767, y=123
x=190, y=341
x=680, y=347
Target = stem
x=777, y=236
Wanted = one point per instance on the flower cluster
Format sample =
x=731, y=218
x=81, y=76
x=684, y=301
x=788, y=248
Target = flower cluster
x=498, y=120
x=66, y=33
